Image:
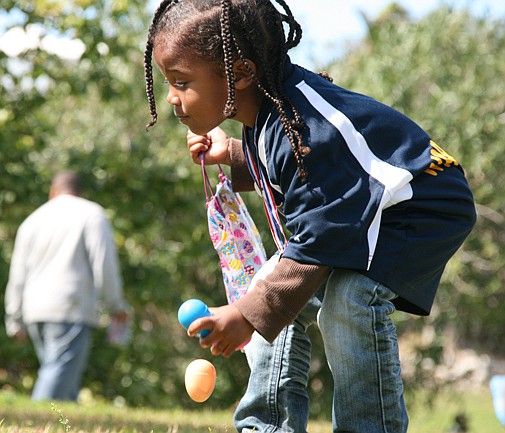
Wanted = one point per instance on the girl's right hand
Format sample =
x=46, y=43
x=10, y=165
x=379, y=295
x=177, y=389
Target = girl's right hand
x=214, y=145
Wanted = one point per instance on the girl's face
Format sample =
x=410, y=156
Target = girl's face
x=198, y=91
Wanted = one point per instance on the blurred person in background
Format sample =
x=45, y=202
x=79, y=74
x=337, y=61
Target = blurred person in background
x=64, y=262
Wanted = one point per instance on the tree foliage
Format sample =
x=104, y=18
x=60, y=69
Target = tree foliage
x=90, y=115
x=445, y=71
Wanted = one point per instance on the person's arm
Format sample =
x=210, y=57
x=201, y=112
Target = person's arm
x=241, y=179
x=272, y=303
x=276, y=300
x=105, y=264
x=14, y=291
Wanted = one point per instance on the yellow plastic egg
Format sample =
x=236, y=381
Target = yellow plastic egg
x=200, y=379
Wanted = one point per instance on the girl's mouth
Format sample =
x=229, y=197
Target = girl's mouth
x=180, y=116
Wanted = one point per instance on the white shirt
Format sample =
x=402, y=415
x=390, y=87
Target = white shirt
x=64, y=261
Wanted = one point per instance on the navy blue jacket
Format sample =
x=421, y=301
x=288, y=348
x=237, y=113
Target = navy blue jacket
x=380, y=198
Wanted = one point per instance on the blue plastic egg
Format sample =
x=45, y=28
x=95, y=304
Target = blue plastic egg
x=191, y=310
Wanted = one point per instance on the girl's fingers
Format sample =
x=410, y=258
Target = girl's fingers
x=200, y=325
x=195, y=152
x=198, y=139
x=196, y=145
x=221, y=349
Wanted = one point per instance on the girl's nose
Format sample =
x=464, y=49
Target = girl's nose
x=173, y=99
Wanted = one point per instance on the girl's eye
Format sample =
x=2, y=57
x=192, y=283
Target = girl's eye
x=177, y=85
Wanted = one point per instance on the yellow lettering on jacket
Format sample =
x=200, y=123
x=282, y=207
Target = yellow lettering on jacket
x=440, y=159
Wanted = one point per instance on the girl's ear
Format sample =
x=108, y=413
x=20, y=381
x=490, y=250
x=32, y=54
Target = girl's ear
x=243, y=78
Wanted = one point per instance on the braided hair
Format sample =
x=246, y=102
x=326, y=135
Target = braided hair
x=224, y=31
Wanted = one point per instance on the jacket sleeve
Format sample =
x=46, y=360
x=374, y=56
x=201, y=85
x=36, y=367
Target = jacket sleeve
x=242, y=180
x=278, y=298
x=104, y=263
x=15, y=287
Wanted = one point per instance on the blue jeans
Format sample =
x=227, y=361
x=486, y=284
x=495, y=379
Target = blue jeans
x=353, y=314
x=63, y=351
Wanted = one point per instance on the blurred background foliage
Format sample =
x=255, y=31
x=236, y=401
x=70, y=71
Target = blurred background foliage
x=445, y=71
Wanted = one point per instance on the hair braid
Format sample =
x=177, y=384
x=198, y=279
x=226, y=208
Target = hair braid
x=326, y=76
x=148, y=54
x=292, y=127
x=295, y=30
x=273, y=77
x=230, y=110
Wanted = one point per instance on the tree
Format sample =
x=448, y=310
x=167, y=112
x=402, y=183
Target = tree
x=89, y=113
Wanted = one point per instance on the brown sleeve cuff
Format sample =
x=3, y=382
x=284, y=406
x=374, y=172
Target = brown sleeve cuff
x=241, y=179
x=275, y=301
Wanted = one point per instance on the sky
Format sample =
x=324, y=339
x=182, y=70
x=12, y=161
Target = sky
x=328, y=26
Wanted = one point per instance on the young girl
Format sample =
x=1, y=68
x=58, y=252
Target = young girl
x=374, y=210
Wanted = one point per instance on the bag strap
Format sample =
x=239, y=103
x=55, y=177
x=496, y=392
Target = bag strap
x=268, y=201
x=209, y=192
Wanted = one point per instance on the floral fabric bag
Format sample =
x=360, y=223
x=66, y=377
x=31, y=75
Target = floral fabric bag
x=234, y=236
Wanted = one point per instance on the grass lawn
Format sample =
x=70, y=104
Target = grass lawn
x=476, y=405
x=19, y=414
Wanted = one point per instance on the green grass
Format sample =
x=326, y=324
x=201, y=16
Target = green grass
x=19, y=414
x=476, y=405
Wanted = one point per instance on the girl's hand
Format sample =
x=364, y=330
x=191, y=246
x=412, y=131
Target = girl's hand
x=214, y=145
x=229, y=330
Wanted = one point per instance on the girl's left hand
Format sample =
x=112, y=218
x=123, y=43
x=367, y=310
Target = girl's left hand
x=215, y=145
x=229, y=330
